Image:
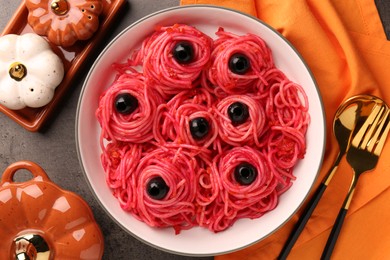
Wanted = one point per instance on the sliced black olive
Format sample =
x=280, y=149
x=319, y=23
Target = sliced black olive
x=157, y=188
x=199, y=127
x=125, y=103
x=183, y=52
x=239, y=64
x=245, y=173
x=238, y=113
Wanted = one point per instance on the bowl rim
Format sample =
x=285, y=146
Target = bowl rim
x=120, y=34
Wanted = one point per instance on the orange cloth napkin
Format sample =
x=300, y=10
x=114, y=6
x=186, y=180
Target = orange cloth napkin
x=345, y=46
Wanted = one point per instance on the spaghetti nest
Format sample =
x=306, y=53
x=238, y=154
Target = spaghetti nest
x=176, y=168
x=248, y=132
x=236, y=195
x=201, y=132
x=174, y=119
x=135, y=127
x=237, y=63
x=174, y=56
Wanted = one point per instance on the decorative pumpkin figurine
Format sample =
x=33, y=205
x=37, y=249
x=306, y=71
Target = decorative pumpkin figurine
x=64, y=21
x=29, y=71
x=38, y=220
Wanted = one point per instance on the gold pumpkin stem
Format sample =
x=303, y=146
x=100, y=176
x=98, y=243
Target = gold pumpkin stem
x=17, y=71
x=32, y=247
x=59, y=7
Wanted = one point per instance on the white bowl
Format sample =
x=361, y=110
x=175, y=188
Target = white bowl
x=199, y=241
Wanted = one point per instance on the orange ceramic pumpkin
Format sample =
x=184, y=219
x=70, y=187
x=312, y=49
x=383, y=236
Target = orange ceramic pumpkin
x=64, y=21
x=38, y=220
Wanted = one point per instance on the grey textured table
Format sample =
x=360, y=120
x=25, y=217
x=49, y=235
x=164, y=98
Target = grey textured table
x=55, y=149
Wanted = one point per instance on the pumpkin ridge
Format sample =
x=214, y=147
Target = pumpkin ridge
x=35, y=21
x=49, y=200
x=39, y=28
x=73, y=199
x=89, y=18
x=38, y=59
x=77, y=32
x=52, y=34
x=84, y=233
x=4, y=226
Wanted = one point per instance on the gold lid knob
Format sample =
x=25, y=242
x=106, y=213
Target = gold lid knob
x=31, y=247
x=59, y=7
x=17, y=71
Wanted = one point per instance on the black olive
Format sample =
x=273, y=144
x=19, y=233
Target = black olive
x=183, y=52
x=157, y=188
x=125, y=103
x=238, y=113
x=239, y=64
x=245, y=173
x=199, y=127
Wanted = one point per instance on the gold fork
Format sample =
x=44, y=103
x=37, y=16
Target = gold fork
x=363, y=155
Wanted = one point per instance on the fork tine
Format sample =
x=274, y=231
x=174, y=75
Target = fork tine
x=372, y=130
x=380, y=136
x=357, y=139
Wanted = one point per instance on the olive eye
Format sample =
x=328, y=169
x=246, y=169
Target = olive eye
x=239, y=64
x=245, y=173
x=157, y=188
x=183, y=52
x=125, y=103
x=199, y=127
x=238, y=113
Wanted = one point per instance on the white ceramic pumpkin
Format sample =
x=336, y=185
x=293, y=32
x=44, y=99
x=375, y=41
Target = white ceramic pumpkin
x=29, y=71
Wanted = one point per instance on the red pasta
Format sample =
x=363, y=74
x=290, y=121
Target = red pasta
x=241, y=197
x=135, y=127
x=285, y=146
x=119, y=161
x=256, y=59
x=263, y=185
x=246, y=188
x=173, y=121
x=203, y=140
x=209, y=187
x=285, y=108
x=271, y=77
x=174, y=56
x=247, y=132
x=177, y=168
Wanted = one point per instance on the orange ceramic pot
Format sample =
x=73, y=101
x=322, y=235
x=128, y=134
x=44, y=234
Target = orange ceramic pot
x=39, y=220
x=64, y=21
